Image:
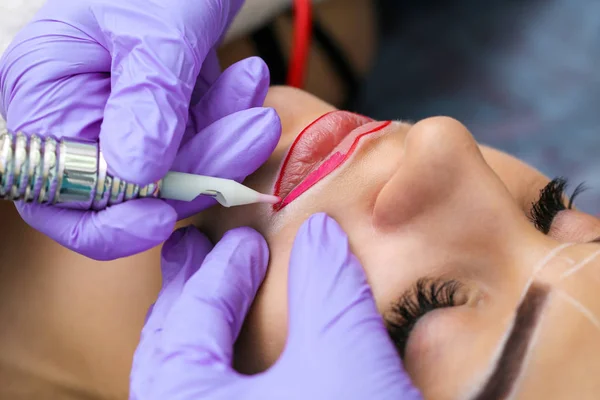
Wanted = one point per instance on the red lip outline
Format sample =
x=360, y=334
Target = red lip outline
x=312, y=156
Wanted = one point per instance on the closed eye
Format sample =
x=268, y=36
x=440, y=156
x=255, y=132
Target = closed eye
x=425, y=296
x=551, y=202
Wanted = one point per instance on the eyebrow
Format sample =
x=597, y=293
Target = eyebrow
x=510, y=363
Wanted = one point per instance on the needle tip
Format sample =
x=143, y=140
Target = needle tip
x=266, y=198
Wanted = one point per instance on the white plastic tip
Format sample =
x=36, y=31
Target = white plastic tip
x=229, y=193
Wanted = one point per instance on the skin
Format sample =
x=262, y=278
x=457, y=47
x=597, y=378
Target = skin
x=432, y=203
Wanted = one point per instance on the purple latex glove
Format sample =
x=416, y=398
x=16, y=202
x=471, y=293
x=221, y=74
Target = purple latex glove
x=337, y=344
x=142, y=77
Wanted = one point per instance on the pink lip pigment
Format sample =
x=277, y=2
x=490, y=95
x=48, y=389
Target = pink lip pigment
x=333, y=162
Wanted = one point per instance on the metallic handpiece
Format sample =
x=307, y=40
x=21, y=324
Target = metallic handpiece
x=69, y=173
x=72, y=173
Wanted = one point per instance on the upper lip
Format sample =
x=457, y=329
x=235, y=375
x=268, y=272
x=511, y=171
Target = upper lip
x=313, y=146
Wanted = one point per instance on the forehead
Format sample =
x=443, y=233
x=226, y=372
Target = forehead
x=564, y=355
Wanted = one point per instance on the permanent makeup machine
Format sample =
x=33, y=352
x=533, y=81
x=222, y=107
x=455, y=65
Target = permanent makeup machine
x=72, y=173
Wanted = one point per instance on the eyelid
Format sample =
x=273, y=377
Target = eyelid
x=551, y=201
x=426, y=295
x=575, y=227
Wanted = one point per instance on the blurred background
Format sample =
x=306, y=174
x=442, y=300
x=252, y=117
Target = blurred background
x=521, y=74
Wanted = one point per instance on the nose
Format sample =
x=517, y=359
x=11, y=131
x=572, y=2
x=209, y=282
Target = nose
x=441, y=175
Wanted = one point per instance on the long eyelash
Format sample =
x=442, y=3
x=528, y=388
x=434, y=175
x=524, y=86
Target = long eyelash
x=578, y=190
x=551, y=202
x=427, y=295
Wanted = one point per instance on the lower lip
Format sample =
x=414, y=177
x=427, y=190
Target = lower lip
x=331, y=163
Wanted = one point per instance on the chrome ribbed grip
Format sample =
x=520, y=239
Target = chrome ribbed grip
x=69, y=173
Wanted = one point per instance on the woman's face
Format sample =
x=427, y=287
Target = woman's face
x=429, y=210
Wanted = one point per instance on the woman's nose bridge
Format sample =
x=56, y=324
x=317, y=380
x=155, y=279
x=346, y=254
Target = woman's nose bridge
x=440, y=167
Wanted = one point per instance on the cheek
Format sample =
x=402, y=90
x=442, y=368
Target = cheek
x=450, y=350
x=522, y=181
x=436, y=346
x=263, y=336
x=563, y=362
x=393, y=266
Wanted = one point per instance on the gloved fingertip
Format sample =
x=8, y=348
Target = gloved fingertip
x=179, y=249
x=188, y=237
x=275, y=121
x=253, y=136
x=271, y=115
x=241, y=86
x=267, y=126
x=321, y=230
x=241, y=257
x=214, y=303
x=258, y=73
x=262, y=115
x=250, y=246
x=257, y=67
x=320, y=244
x=169, y=251
x=173, y=241
x=324, y=275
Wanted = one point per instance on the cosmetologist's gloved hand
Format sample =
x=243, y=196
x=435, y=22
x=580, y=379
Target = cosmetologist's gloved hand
x=142, y=77
x=337, y=344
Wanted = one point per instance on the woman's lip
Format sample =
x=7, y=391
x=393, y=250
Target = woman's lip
x=319, y=149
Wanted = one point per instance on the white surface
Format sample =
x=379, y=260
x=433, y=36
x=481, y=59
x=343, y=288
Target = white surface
x=14, y=14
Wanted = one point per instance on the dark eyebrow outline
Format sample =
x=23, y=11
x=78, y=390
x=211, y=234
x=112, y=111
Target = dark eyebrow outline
x=508, y=367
